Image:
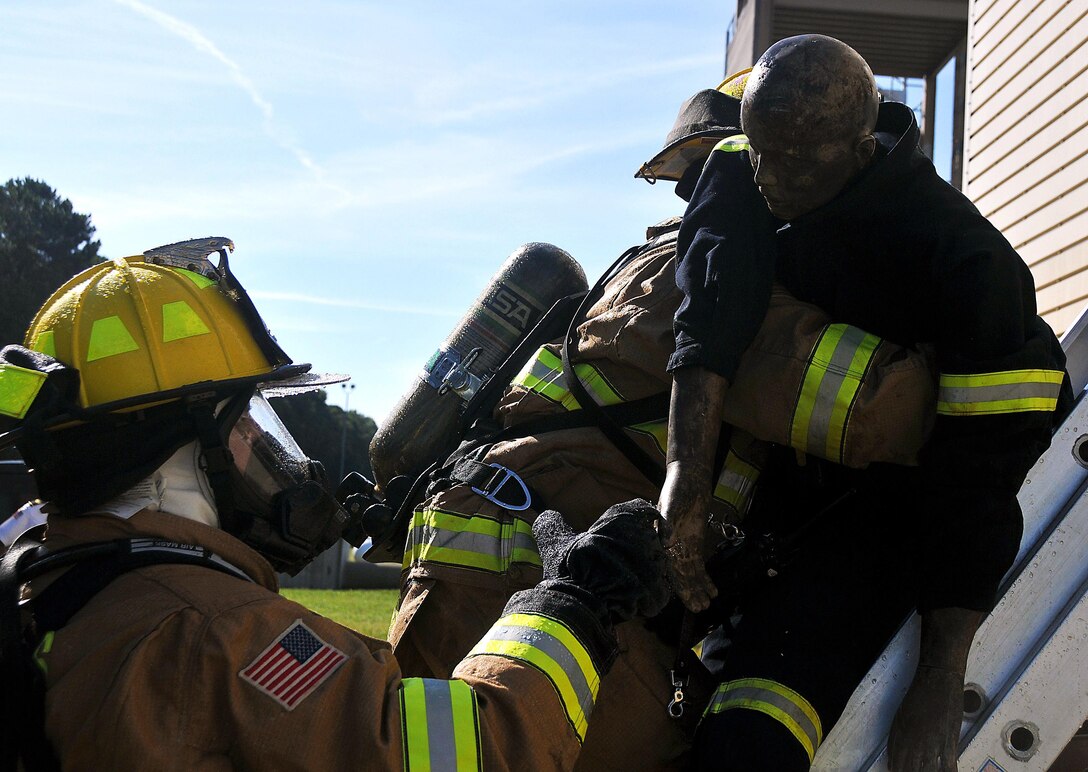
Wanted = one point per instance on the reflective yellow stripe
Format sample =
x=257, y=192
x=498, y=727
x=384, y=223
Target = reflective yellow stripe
x=658, y=431
x=200, y=280
x=544, y=375
x=545, y=380
x=1009, y=391
x=45, y=343
x=439, y=725
x=18, y=388
x=180, y=321
x=469, y=541
x=109, y=337
x=736, y=482
x=775, y=700
x=735, y=144
x=44, y=648
x=831, y=382
x=553, y=649
x=413, y=714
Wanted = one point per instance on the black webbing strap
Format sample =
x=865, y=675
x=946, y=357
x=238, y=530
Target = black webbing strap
x=91, y=567
x=23, y=744
x=551, y=326
x=650, y=468
x=95, y=566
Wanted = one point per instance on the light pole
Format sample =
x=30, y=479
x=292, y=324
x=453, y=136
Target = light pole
x=347, y=389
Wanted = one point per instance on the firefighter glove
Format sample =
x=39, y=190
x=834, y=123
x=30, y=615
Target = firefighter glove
x=619, y=561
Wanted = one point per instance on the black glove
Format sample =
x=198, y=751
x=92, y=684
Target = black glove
x=619, y=561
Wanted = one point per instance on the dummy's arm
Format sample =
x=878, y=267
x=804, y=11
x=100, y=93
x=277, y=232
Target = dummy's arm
x=694, y=425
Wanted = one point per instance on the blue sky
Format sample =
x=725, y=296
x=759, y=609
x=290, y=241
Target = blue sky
x=375, y=163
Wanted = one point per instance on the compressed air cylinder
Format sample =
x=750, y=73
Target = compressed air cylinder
x=424, y=426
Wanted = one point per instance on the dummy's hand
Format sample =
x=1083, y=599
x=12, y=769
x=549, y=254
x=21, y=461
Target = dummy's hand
x=619, y=560
x=685, y=509
x=926, y=729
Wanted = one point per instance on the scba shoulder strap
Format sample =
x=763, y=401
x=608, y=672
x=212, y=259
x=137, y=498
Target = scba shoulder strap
x=90, y=568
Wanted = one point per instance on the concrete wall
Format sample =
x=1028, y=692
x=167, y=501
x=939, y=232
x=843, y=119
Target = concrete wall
x=1026, y=144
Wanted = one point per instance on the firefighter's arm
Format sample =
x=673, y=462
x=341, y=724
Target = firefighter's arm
x=276, y=686
x=694, y=425
x=537, y=671
x=926, y=729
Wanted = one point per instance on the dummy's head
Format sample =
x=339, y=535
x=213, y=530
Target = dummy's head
x=136, y=358
x=809, y=109
x=704, y=119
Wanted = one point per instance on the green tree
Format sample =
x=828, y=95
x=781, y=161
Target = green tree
x=322, y=430
x=43, y=243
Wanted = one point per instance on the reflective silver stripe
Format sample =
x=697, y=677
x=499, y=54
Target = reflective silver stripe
x=831, y=382
x=736, y=482
x=555, y=649
x=440, y=725
x=437, y=536
x=775, y=700
x=1010, y=391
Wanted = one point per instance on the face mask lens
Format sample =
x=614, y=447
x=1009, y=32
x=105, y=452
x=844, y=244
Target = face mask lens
x=266, y=456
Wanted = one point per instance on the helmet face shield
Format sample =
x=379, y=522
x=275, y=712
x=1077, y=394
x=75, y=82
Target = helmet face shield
x=291, y=515
x=267, y=459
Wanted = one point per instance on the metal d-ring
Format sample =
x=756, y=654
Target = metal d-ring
x=506, y=476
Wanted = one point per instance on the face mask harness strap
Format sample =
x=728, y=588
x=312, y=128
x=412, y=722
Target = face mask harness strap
x=217, y=461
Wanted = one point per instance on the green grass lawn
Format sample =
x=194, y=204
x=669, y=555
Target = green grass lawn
x=367, y=611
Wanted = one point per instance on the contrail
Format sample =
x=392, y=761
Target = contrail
x=201, y=43
x=295, y=297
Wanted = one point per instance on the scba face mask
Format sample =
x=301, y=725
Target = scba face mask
x=293, y=516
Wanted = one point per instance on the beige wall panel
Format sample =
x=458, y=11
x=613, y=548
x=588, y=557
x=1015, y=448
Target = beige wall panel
x=1038, y=207
x=1043, y=93
x=1063, y=235
x=1043, y=102
x=1044, y=139
x=1061, y=268
x=1070, y=295
x=991, y=28
x=1057, y=170
x=1042, y=209
x=1062, y=319
x=1033, y=48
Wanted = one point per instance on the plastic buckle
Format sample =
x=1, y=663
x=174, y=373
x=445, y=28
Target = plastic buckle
x=504, y=475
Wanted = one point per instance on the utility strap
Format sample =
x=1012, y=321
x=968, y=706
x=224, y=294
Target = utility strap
x=551, y=326
x=648, y=466
x=96, y=565
x=23, y=744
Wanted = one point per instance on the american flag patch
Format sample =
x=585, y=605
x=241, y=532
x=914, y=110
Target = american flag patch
x=293, y=666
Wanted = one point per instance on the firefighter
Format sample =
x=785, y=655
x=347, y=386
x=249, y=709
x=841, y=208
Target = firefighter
x=469, y=545
x=864, y=229
x=175, y=494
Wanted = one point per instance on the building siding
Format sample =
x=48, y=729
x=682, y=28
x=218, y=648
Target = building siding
x=1027, y=139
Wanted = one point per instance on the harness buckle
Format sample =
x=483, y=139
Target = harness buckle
x=676, y=707
x=504, y=475
x=447, y=371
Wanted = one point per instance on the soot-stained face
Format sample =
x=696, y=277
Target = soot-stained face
x=808, y=109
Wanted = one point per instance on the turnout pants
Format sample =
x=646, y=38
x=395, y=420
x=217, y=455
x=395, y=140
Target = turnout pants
x=789, y=661
x=466, y=556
